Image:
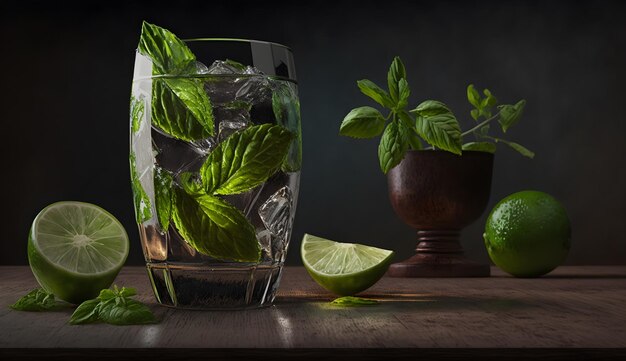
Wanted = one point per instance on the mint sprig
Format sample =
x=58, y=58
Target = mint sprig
x=113, y=306
x=431, y=121
x=180, y=106
x=243, y=161
x=38, y=300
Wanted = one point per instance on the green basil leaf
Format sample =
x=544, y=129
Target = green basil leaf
x=286, y=107
x=480, y=146
x=125, y=311
x=414, y=139
x=354, y=301
x=245, y=159
x=107, y=294
x=483, y=131
x=475, y=113
x=376, y=93
x=511, y=114
x=428, y=108
x=127, y=292
x=395, y=73
x=168, y=53
x=363, y=122
x=441, y=131
x=490, y=101
x=473, y=96
x=404, y=92
x=215, y=228
x=181, y=108
x=163, y=197
x=37, y=300
x=142, y=203
x=393, y=145
x=87, y=312
x=518, y=147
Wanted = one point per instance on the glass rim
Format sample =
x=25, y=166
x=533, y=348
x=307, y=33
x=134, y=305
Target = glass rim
x=216, y=76
x=238, y=40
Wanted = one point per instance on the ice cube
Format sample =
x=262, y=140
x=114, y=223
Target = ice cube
x=226, y=128
x=175, y=155
x=221, y=67
x=233, y=111
x=204, y=146
x=222, y=89
x=198, y=68
x=255, y=89
x=275, y=213
x=265, y=240
x=250, y=70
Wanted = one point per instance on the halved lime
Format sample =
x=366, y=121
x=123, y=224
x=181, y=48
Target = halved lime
x=343, y=268
x=76, y=249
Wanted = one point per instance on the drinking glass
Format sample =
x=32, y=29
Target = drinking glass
x=215, y=201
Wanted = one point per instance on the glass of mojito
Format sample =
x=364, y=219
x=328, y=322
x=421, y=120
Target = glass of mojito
x=215, y=157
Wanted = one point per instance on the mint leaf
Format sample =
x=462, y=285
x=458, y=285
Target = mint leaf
x=168, y=53
x=107, y=294
x=490, y=100
x=113, y=307
x=404, y=92
x=363, y=122
x=441, y=131
x=480, y=146
x=352, y=301
x=136, y=113
x=475, y=113
x=393, y=145
x=246, y=159
x=518, y=147
x=394, y=75
x=511, y=114
x=375, y=92
x=429, y=108
x=163, y=197
x=125, y=311
x=414, y=139
x=85, y=313
x=37, y=300
x=141, y=200
x=181, y=108
x=474, y=97
x=286, y=107
x=127, y=292
x=215, y=228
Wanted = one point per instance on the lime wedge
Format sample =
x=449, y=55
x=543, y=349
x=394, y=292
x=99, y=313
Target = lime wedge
x=76, y=249
x=343, y=268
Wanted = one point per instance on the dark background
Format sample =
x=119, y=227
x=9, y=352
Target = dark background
x=66, y=76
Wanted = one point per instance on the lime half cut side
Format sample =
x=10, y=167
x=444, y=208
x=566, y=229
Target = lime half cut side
x=344, y=268
x=75, y=249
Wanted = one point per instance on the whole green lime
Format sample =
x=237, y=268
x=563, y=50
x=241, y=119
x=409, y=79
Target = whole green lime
x=528, y=234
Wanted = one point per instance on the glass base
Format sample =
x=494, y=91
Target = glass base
x=192, y=286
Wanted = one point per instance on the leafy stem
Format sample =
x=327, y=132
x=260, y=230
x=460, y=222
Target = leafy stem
x=431, y=121
x=480, y=125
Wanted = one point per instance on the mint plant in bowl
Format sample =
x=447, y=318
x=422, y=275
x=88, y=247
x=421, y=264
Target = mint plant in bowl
x=438, y=182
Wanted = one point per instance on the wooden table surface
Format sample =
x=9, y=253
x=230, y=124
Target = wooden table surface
x=571, y=308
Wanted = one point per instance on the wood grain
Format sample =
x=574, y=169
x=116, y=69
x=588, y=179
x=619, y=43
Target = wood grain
x=574, y=307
